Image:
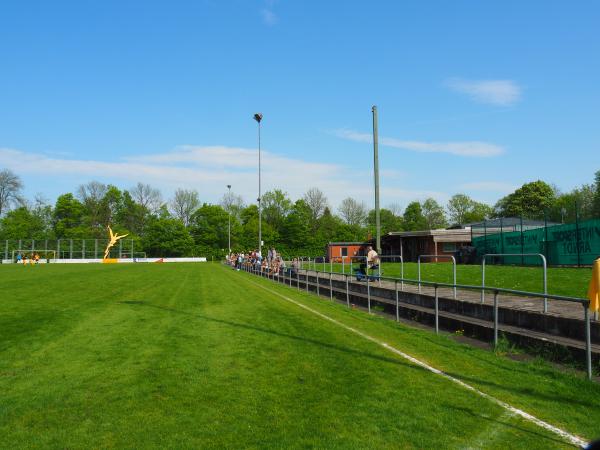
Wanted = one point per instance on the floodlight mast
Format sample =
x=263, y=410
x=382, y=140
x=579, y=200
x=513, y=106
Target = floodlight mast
x=258, y=117
x=376, y=176
x=229, y=220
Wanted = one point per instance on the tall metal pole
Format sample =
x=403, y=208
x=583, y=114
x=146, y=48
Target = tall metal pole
x=258, y=117
x=376, y=173
x=229, y=222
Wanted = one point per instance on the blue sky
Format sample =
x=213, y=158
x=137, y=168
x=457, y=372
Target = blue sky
x=475, y=97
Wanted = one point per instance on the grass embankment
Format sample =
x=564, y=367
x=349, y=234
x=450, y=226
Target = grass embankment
x=188, y=355
x=561, y=281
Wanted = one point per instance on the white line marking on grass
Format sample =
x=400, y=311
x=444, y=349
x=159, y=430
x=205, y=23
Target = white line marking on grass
x=573, y=439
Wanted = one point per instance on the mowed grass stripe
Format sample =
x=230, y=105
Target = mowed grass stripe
x=564, y=399
x=183, y=355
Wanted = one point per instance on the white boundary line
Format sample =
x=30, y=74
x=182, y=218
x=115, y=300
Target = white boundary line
x=571, y=438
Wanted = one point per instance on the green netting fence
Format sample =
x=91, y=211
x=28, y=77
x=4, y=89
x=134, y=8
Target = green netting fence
x=572, y=244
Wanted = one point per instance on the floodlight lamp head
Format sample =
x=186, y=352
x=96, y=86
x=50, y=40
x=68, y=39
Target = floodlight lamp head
x=228, y=186
x=258, y=117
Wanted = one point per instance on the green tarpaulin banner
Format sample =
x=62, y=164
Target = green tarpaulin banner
x=562, y=245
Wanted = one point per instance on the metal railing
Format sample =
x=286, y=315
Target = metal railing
x=437, y=256
x=545, y=274
x=496, y=291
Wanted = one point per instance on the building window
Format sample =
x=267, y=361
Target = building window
x=449, y=247
x=344, y=251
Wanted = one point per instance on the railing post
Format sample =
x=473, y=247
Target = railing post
x=347, y=292
x=483, y=279
x=402, y=273
x=495, y=319
x=588, y=342
x=454, y=264
x=330, y=288
x=397, y=302
x=307, y=280
x=368, y=293
x=437, y=310
x=419, y=271
x=343, y=266
x=545, y=282
x=318, y=290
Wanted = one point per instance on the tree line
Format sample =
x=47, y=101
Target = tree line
x=183, y=225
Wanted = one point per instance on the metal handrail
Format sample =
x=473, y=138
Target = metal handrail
x=437, y=256
x=545, y=274
x=584, y=302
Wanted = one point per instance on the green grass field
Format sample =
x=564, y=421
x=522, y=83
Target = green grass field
x=561, y=281
x=197, y=355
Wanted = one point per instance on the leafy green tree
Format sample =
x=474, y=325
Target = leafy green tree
x=112, y=207
x=23, y=223
x=531, y=200
x=296, y=232
x=458, y=207
x=91, y=196
x=209, y=228
x=479, y=212
x=566, y=205
x=434, y=214
x=276, y=206
x=328, y=229
x=68, y=218
x=167, y=237
x=414, y=219
x=463, y=209
x=248, y=237
x=132, y=215
x=389, y=222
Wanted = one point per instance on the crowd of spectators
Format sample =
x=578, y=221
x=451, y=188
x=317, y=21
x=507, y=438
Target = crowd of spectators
x=274, y=264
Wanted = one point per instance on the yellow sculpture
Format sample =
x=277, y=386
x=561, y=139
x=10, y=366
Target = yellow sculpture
x=113, y=240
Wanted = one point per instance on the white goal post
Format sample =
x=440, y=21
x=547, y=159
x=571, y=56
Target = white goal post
x=28, y=255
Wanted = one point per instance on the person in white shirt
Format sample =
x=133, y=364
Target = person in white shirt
x=372, y=258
